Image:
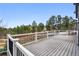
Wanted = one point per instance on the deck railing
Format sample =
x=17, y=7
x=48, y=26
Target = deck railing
x=14, y=42
x=31, y=37
x=14, y=48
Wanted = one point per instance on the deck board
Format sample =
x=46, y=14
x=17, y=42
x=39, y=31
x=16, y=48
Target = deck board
x=63, y=48
x=58, y=45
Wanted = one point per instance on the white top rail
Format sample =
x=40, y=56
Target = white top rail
x=23, y=50
x=22, y=34
x=26, y=34
x=9, y=36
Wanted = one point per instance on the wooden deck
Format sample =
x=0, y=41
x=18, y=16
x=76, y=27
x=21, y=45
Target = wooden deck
x=58, y=45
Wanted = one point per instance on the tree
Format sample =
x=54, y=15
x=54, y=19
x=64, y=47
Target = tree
x=40, y=27
x=65, y=23
x=59, y=19
x=28, y=28
x=34, y=26
x=50, y=23
x=72, y=24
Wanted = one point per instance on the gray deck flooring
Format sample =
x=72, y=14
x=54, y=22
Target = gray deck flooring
x=59, y=45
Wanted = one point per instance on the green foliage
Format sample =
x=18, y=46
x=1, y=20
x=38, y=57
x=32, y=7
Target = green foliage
x=59, y=19
x=40, y=27
x=54, y=23
x=60, y=23
x=34, y=26
x=50, y=23
x=20, y=29
x=65, y=22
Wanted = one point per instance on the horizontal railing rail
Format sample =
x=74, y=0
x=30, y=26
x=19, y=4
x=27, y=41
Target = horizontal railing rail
x=21, y=51
x=16, y=35
x=24, y=38
x=33, y=37
x=41, y=35
x=30, y=37
x=14, y=48
x=15, y=43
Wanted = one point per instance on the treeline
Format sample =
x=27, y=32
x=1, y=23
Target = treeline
x=53, y=23
x=60, y=23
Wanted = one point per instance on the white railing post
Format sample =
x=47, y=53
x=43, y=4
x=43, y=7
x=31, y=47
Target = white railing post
x=14, y=47
x=35, y=36
x=8, y=45
x=47, y=34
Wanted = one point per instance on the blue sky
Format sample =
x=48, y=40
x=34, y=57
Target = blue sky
x=18, y=14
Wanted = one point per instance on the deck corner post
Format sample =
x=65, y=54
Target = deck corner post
x=35, y=36
x=7, y=45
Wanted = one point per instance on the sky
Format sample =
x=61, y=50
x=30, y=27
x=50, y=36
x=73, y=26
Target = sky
x=26, y=13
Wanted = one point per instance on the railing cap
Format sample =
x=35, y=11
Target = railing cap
x=24, y=50
x=12, y=39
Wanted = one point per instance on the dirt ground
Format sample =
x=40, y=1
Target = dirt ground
x=2, y=43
